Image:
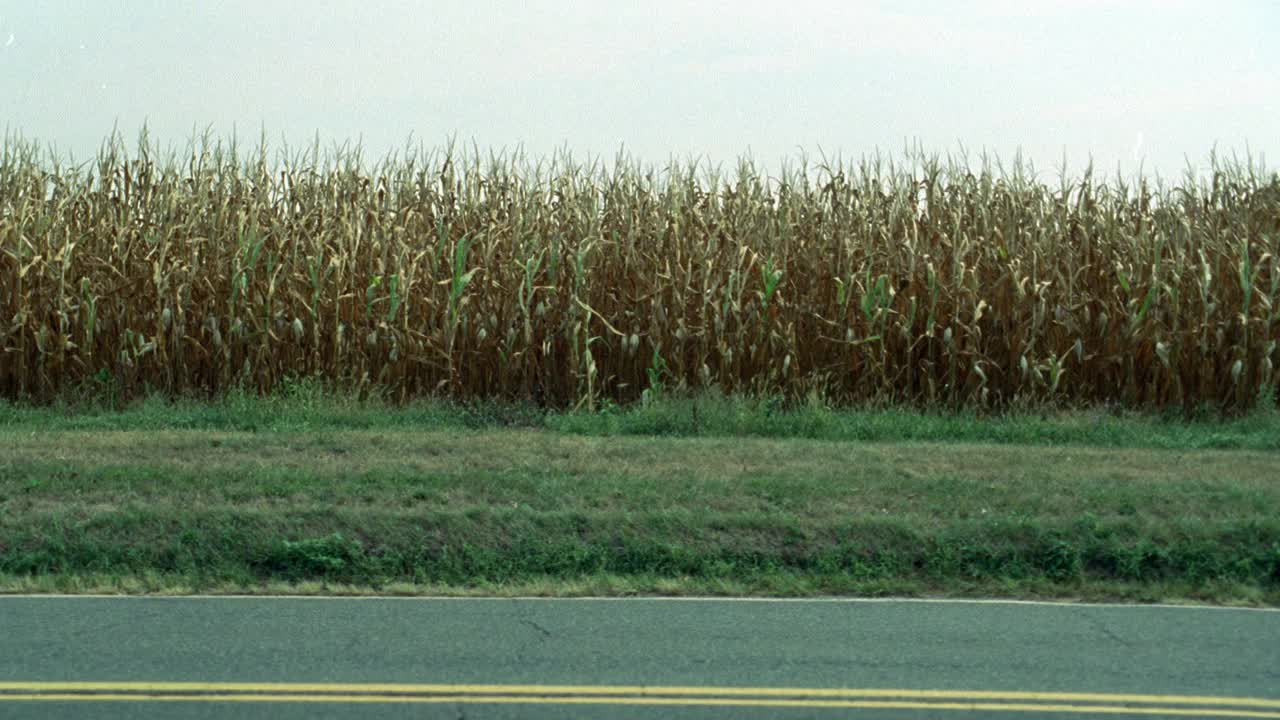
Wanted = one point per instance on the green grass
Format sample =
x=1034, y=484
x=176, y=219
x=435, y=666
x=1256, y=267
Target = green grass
x=312, y=493
x=305, y=408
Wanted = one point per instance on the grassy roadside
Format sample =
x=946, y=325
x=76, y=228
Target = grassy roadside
x=306, y=408
x=300, y=496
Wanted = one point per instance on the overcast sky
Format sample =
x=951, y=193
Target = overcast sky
x=1123, y=81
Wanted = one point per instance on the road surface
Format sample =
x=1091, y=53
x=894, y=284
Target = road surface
x=282, y=658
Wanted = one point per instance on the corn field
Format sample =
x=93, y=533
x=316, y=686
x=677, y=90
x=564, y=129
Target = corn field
x=468, y=275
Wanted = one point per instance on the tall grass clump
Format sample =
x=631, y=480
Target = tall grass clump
x=921, y=280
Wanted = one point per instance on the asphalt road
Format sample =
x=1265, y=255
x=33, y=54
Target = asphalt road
x=281, y=658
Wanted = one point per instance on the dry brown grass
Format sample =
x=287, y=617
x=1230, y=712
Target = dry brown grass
x=471, y=276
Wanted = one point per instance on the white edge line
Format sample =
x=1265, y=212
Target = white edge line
x=641, y=598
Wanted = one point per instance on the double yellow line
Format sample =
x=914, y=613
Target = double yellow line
x=990, y=701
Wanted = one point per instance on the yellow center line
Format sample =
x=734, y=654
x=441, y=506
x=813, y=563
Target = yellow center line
x=643, y=691
x=667, y=701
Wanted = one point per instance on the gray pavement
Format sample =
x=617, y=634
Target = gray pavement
x=598, y=645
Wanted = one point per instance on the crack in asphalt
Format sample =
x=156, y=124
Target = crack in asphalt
x=1102, y=627
x=545, y=632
